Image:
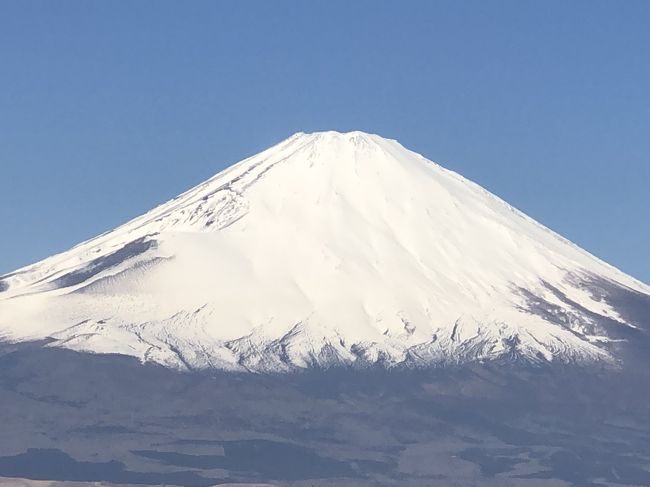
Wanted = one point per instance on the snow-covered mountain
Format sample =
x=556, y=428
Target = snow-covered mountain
x=328, y=248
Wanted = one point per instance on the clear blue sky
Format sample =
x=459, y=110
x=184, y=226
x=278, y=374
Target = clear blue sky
x=109, y=108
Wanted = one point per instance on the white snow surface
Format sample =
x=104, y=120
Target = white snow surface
x=326, y=249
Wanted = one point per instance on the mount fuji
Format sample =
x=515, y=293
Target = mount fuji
x=329, y=249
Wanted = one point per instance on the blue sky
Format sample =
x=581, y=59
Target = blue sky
x=109, y=108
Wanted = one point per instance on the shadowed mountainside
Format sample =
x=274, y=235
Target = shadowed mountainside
x=74, y=416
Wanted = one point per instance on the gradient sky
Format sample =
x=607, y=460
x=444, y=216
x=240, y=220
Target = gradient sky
x=109, y=108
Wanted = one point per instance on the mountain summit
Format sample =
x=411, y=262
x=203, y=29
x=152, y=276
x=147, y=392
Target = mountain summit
x=327, y=249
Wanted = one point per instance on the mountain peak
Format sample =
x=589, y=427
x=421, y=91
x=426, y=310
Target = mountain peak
x=328, y=248
x=355, y=138
x=336, y=135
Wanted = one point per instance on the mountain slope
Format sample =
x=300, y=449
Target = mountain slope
x=326, y=249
